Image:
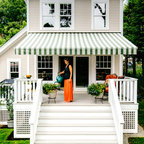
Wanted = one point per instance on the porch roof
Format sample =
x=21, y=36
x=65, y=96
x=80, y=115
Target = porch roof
x=75, y=43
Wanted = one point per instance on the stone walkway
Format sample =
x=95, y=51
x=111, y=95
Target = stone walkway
x=139, y=134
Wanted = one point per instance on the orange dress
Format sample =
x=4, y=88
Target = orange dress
x=68, y=90
x=68, y=87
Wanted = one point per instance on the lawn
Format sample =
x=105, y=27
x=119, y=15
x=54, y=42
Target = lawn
x=136, y=140
x=5, y=132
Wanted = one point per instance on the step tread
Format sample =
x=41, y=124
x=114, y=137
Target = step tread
x=76, y=132
x=76, y=142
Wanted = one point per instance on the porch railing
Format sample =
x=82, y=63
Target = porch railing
x=126, y=89
x=37, y=100
x=25, y=90
x=116, y=110
x=5, y=91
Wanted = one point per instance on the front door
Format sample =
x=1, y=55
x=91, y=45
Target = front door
x=82, y=72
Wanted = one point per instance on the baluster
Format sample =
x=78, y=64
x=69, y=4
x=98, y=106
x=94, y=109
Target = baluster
x=124, y=91
x=120, y=91
x=135, y=91
x=128, y=91
x=30, y=90
x=19, y=91
x=22, y=90
x=117, y=86
x=131, y=91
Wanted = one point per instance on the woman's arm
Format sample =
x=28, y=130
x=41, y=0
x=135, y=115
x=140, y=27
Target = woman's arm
x=61, y=73
x=70, y=69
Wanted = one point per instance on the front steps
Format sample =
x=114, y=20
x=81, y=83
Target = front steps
x=76, y=124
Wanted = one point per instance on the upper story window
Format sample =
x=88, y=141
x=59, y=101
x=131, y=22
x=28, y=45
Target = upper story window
x=57, y=14
x=100, y=14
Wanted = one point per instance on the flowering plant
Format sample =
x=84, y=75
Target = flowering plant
x=28, y=76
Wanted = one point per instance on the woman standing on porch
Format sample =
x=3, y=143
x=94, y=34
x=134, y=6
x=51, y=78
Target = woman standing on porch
x=68, y=88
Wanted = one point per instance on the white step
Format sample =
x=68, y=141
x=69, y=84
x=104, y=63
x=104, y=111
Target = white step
x=76, y=108
x=76, y=142
x=76, y=129
x=50, y=115
x=76, y=133
x=76, y=137
x=74, y=122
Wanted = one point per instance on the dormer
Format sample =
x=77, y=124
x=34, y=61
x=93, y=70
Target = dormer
x=75, y=15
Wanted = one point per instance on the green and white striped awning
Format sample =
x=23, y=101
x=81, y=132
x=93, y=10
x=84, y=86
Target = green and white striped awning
x=75, y=43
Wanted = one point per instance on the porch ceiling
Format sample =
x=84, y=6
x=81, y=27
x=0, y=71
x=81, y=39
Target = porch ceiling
x=75, y=43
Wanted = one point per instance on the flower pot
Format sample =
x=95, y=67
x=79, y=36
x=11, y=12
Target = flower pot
x=53, y=94
x=100, y=96
x=10, y=123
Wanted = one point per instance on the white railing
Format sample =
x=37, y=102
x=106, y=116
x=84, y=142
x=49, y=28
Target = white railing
x=116, y=110
x=126, y=89
x=5, y=91
x=24, y=90
x=35, y=111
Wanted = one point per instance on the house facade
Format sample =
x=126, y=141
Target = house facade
x=90, y=34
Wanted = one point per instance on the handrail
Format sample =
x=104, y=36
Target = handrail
x=35, y=111
x=116, y=110
x=126, y=89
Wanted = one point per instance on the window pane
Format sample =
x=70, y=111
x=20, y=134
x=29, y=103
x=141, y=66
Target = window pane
x=99, y=22
x=48, y=21
x=99, y=9
x=65, y=21
x=48, y=9
x=101, y=73
x=14, y=75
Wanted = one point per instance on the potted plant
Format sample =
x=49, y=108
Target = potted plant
x=96, y=90
x=51, y=90
x=28, y=76
x=9, y=105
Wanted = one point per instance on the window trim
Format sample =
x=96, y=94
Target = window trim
x=8, y=67
x=107, y=14
x=57, y=14
x=49, y=68
x=102, y=68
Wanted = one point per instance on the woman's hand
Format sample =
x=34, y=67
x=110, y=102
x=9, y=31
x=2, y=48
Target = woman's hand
x=69, y=80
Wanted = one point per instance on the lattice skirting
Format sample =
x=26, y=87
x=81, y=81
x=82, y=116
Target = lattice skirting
x=21, y=122
x=131, y=119
x=4, y=115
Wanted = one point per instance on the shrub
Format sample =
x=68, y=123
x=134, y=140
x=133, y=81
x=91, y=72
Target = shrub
x=96, y=89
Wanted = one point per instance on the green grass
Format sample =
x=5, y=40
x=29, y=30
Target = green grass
x=136, y=140
x=5, y=132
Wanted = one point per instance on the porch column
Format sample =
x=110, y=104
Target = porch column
x=92, y=73
x=28, y=65
x=55, y=66
x=120, y=64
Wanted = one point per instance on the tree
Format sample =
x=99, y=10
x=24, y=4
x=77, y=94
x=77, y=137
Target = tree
x=12, y=18
x=134, y=27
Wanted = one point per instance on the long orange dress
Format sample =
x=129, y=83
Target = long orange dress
x=68, y=86
x=68, y=90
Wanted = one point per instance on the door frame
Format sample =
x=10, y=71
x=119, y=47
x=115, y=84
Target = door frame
x=74, y=72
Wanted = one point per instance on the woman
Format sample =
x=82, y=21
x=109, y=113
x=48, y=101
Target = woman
x=68, y=88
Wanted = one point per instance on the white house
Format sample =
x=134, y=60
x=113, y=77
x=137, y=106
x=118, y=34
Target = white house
x=90, y=33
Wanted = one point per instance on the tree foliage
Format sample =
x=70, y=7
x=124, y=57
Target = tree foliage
x=12, y=18
x=134, y=25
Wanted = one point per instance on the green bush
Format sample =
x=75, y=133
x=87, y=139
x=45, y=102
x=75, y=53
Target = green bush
x=96, y=89
x=48, y=88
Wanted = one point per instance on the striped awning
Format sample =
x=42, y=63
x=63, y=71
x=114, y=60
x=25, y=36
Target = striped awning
x=75, y=43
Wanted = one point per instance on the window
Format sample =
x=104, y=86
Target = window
x=103, y=67
x=57, y=14
x=100, y=14
x=48, y=15
x=65, y=15
x=14, y=70
x=45, y=67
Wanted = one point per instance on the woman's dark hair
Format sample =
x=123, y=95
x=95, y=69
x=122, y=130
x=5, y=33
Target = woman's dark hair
x=66, y=59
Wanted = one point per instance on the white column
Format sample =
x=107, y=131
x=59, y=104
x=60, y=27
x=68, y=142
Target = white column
x=120, y=64
x=74, y=72
x=55, y=66
x=35, y=66
x=113, y=64
x=28, y=65
x=92, y=73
